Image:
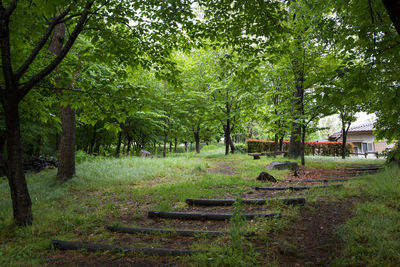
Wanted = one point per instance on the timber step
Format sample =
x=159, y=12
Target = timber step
x=229, y=202
x=182, y=232
x=320, y=180
x=295, y=188
x=204, y=216
x=98, y=247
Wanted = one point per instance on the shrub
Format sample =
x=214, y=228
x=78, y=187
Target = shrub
x=242, y=148
x=311, y=148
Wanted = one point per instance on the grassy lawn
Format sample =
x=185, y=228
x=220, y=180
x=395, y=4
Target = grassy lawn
x=119, y=191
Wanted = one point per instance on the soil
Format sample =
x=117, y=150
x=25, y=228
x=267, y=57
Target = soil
x=310, y=241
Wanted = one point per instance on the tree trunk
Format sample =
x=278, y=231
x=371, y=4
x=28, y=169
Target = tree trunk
x=281, y=143
x=393, y=9
x=175, y=145
x=276, y=143
x=66, y=151
x=303, y=145
x=170, y=147
x=226, y=139
x=66, y=155
x=117, y=153
x=93, y=140
x=232, y=145
x=196, y=132
x=21, y=201
x=297, y=110
x=165, y=144
x=186, y=147
x=128, y=149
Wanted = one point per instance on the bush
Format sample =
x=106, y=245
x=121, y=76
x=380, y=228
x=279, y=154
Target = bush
x=81, y=156
x=311, y=148
x=242, y=148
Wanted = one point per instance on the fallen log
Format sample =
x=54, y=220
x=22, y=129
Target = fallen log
x=96, y=247
x=320, y=180
x=295, y=188
x=204, y=216
x=229, y=202
x=182, y=232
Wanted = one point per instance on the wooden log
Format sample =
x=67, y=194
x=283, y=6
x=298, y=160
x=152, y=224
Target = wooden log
x=182, y=232
x=204, y=216
x=295, y=188
x=320, y=180
x=95, y=247
x=229, y=202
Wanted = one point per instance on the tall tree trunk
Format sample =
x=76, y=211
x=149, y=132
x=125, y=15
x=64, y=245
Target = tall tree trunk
x=276, y=144
x=344, y=137
x=175, y=145
x=281, y=142
x=226, y=139
x=186, y=146
x=303, y=144
x=117, y=152
x=165, y=144
x=21, y=201
x=232, y=145
x=196, y=132
x=297, y=109
x=170, y=147
x=66, y=151
x=128, y=149
x=66, y=155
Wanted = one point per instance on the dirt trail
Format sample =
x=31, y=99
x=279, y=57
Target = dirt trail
x=309, y=242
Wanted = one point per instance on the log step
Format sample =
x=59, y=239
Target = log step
x=204, y=216
x=229, y=202
x=182, y=232
x=295, y=188
x=320, y=180
x=96, y=247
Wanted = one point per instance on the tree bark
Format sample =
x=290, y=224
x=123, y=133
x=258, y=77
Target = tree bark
x=165, y=144
x=297, y=110
x=186, y=146
x=21, y=201
x=66, y=156
x=303, y=144
x=117, y=153
x=175, y=145
x=66, y=151
x=393, y=9
x=196, y=133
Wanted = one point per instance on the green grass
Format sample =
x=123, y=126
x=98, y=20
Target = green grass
x=372, y=236
x=105, y=190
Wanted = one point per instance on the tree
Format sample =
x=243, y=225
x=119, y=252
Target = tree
x=26, y=65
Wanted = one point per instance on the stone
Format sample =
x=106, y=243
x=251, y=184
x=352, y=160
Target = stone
x=264, y=176
x=144, y=153
x=283, y=165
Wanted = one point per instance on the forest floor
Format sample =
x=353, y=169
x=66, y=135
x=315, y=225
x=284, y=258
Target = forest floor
x=330, y=229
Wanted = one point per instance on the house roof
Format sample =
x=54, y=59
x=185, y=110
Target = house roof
x=365, y=127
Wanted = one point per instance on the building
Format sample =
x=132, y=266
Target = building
x=363, y=138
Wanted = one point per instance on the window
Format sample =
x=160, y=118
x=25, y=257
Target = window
x=370, y=147
x=356, y=150
x=364, y=147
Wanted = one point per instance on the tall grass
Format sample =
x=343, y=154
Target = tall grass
x=372, y=236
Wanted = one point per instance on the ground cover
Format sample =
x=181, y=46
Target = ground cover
x=120, y=192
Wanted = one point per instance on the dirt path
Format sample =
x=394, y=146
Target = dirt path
x=310, y=241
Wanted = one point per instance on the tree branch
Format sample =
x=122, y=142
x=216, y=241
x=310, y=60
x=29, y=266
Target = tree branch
x=24, y=67
x=64, y=51
x=5, y=47
x=10, y=9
